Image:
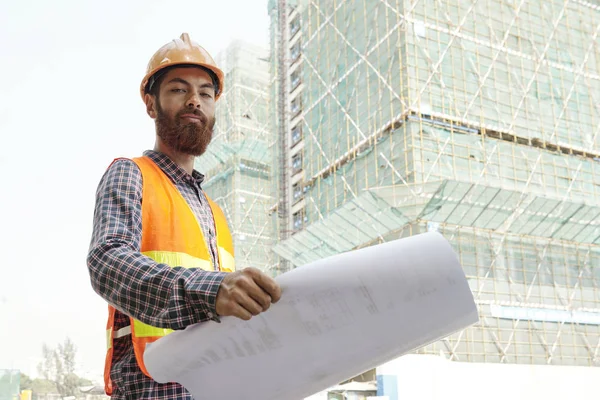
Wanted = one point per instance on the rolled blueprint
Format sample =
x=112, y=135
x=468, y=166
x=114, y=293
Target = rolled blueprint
x=337, y=317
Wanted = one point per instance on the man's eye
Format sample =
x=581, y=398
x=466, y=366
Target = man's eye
x=178, y=90
x=206, y=95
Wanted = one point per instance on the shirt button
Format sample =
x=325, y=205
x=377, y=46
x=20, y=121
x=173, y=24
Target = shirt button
x=210, y=315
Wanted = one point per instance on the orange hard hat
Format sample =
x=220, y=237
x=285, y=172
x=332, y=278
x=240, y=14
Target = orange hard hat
x=181, y=51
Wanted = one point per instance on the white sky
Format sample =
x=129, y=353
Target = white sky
x=69, y=104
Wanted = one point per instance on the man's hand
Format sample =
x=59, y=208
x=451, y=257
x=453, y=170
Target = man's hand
x=246, y=293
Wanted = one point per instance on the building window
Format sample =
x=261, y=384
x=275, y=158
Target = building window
x=296, y=106
x=295, y=80
x=295, y=51
x=298, y=192
x=296, y=135
x=294, y=26
x=297, y=163
x=300, y=220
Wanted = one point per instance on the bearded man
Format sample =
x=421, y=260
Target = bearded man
x=161, y=253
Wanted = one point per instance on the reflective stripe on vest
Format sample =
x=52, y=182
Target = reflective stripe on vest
x=175, y=259
x=171, y=235
x=118, y=334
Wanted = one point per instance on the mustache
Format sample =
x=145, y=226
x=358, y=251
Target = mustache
x=194, y=112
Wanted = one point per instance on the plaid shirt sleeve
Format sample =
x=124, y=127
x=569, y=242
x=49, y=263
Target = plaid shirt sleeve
x=134, y=284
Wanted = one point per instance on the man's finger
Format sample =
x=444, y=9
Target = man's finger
x=259, y=296
x=250, y=305
x=249, y=286
x=269, y=285
x=240, y=312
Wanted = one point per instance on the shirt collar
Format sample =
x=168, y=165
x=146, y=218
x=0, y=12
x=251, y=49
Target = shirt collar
x=173, y=171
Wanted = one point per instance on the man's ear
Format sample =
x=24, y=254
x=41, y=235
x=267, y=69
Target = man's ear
x=150, y=101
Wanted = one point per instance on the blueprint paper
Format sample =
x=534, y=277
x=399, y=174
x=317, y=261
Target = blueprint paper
x=337, y=318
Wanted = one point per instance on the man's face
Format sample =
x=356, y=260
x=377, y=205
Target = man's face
x=184, y=110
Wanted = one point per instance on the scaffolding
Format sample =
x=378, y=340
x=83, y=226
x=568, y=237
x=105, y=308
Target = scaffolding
x=237, y=163
x=279, y=64
x=479, y=119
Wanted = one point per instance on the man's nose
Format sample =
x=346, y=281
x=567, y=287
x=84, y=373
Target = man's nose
x=194, y=101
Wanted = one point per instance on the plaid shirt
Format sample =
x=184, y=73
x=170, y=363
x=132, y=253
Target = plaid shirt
x=134, y=284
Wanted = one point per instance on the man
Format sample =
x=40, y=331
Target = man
x=161, y=253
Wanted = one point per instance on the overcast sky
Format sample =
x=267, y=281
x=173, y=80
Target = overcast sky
x=69, y=104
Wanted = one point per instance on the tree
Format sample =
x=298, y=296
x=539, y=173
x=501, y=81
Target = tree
x=58, y=367
x=42, y=386
x=37, y=386
x=25, y=382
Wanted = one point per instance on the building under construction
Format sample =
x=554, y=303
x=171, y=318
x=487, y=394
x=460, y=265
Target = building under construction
x=479, y=119
x=237, y=163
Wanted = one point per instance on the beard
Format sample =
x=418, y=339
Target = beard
x=185, y=137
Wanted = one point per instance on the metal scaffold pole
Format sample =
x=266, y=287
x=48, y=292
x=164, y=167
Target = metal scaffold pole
x=282, y=105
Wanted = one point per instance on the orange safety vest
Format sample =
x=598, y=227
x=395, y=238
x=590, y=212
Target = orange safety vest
x=170, y=235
